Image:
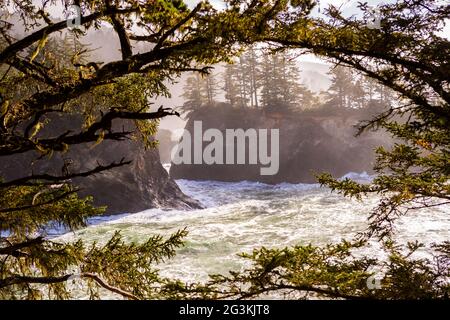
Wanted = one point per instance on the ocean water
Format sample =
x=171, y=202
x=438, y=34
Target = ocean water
x=240, y=217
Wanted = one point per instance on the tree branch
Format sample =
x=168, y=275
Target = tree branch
x=39, y=34
x=90, y=135
x=306, y=288
x=51, y=280
x=106, y=73
x=172, y=30
x=102, y=283
x=32, y=206
x=120, y=30
x=32, y=70
x=31, y=180
x=15, y=247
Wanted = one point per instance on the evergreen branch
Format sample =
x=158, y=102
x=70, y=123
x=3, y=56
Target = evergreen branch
x=149, y=38
x=120, y=30
x=204, y=70
x=25, y=279
x=90, y=135
x=106, y=73
x=32, y=206
x=32, y=70
x=10, y=250
x=37, y=179
x=22, y=44
x=304, y=288
x=172, y=30
x=428, y=73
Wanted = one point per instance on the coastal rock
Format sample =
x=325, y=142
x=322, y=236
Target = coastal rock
x=141, y=185
x=309, y=143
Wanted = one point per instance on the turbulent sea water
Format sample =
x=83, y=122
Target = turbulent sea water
x=242, y=216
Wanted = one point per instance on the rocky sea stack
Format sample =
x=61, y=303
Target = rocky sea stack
x=315, y=141
x=138, y=186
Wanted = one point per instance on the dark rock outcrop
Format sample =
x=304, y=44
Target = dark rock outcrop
x=165, y=144
x=310, y=142
x=141, y=185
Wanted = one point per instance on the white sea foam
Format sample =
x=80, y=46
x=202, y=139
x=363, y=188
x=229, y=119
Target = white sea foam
x=242, y=216
x=360, y=177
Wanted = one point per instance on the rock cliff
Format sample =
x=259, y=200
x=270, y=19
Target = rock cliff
x=141, y=185
x=309, y=142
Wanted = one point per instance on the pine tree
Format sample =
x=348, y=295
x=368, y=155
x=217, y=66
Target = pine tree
x=357, y=95
x=407, y=56
x=249, y=64
x=209, y=88
x=237, y=83
x=369, y=85
x=243, y=80
x=341, y=86
x=273, y=81
x=280, y=82
x=267, y=82
x=295, y=94
x=308, y=99
x=385, y=94
x=200, y=89
x=232, y=85
x=192, y=93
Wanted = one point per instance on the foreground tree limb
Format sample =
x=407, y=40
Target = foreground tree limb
x=52, y=280
x=38, y=179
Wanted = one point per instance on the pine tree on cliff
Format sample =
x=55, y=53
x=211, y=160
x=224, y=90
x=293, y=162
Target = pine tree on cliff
x=250, y=67
x=243, y=80
x=294, y=93
x=385, y=95
x=341, y=86
x=209, y=88
x=193, y=93
x=369, y=87
x=237, y=83
x=308, y=99
x=231, y=84
x=270, y=79
x=280, y=81
x=357, y=95
x=200, y=89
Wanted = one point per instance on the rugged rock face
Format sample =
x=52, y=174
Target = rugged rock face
x=310, y=142
x=141, y=185
x=165, y=145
